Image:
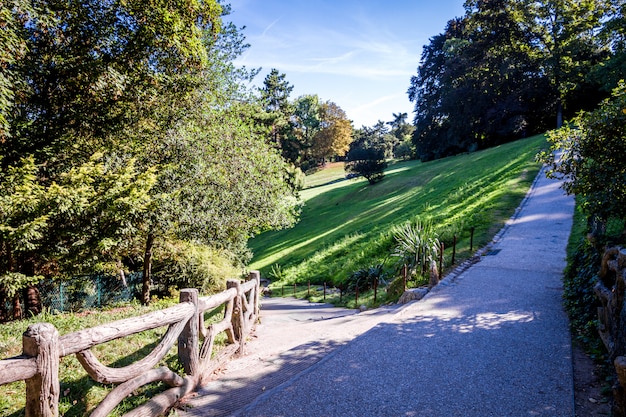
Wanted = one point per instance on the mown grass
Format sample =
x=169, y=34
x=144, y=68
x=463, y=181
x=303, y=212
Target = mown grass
x=347, y=225
x=79, y=393
x=330, y=173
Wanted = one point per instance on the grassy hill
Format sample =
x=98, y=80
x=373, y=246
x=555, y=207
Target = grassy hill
x=347, y=225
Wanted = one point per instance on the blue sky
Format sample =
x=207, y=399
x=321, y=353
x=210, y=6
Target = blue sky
x=358, y=54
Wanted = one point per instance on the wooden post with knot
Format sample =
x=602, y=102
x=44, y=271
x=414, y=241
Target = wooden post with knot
x=41, y=341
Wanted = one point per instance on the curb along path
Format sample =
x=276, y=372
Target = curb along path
x=492, y=341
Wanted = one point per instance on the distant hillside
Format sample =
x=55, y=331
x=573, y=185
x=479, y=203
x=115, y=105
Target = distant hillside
x=345, y=224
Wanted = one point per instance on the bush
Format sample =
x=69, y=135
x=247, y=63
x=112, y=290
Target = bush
x=363, y=279
x=581, y=304
x=367, y=162
x=180, y=265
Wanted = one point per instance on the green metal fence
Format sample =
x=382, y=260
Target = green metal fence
x=84, y=292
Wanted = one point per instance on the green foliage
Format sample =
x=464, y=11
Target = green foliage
x=479, y=190
x=85, y=219
x=579, y=298
x=593, y=160
x=416, y=245
x=369, y=163
x=182, y=264
x=100, y=97
x=365, y=279
x=13, y=282
x=507, y=69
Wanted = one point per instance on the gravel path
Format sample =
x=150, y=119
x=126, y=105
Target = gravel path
x=490, y=341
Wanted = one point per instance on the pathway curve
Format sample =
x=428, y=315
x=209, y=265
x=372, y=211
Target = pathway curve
x=492, y=341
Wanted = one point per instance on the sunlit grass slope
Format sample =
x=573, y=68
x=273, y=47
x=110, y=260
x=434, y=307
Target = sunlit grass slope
x=347, y=225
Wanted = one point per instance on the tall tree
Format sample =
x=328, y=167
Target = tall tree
x=607, y=74
x=93, y=68
x=593, y=161
x=275, y=98
x=565, y=34
x=307, y=122
x=433, y=136
x=335, y=134
x=141, y=82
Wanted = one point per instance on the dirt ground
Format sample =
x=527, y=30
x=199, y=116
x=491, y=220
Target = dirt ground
x=589, y=387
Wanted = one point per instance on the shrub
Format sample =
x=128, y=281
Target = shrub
x=186, y=265
x=417, y=245
x=581, y=304
x=367, y=162
x=363, y=279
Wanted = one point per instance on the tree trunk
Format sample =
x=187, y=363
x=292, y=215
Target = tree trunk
x=32, y=300
x=559, y=114
x=4, y=314
x=147, y=270
x=17, y=306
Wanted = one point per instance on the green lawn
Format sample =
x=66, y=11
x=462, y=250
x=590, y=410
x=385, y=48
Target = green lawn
x=346, y=225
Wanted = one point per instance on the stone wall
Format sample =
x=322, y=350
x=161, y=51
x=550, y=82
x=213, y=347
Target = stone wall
x=611, y=291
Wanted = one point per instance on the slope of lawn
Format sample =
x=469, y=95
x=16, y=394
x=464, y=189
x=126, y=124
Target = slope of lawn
x=347, y=225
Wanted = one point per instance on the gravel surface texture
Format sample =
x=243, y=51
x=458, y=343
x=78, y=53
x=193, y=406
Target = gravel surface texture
x=490, y=340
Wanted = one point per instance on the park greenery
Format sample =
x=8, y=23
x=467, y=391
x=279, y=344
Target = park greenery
x=347, y=225
x=510, y=69
x=131, y=142
x=591, y=159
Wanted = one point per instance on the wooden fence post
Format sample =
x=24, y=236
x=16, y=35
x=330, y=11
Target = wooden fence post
x=188, y=340
x=41, y=341
x=440, y=273
x=238, y=319
x=375, y=288
x=453, y=250
x=256, y=276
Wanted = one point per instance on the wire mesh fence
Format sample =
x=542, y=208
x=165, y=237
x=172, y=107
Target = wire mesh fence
x=84, y=292
x=89, y=291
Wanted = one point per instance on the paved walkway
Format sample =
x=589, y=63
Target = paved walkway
x=492, y=341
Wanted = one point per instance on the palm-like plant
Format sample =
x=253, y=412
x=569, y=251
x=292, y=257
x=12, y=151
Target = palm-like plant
x=417, y=244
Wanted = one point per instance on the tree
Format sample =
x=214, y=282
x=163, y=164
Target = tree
x=366, y=156
x=607, y=74
x=86, y=219
x=593, y=160
x=105, y=96
x=92, y=69
x=307, y=122
x=565, y=34
x=367, y=162
x=275, y=99
x=495, y=73
x=403, y=132
x=434, y=136
x=335, y=134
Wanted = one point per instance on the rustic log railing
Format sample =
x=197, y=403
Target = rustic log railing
x=43, y=348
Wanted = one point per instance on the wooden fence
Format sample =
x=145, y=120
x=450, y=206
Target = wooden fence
x=43, y=348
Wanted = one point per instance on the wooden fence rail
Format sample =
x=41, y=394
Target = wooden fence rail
x=43, y=348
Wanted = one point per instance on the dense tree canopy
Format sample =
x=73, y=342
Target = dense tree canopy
x=507, y=69
x=123, y=126
x=592, y=158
